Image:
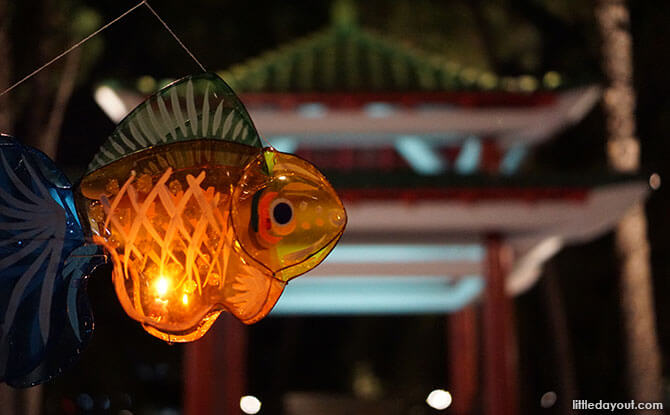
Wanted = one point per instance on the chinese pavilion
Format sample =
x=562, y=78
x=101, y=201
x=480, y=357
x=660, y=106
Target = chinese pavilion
x=428, y=158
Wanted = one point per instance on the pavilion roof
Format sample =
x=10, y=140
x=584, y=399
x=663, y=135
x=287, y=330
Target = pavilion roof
x=344, y=57
x=491, y=186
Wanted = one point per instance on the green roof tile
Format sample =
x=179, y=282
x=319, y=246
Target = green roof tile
x=346, y=58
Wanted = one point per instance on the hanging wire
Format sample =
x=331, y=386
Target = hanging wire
x=73, y=47
x=103, y=28
x=151, y=9
x=263, y=139
x=97, y=32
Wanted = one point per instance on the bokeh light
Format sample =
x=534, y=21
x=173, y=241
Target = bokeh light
x=655, y=181
x=548, y=399
x=439, y=399
x=250, y=404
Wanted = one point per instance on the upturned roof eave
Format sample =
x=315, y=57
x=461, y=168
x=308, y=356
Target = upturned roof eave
x=413, y=70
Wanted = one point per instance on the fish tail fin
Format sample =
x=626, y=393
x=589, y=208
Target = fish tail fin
x=43, y=259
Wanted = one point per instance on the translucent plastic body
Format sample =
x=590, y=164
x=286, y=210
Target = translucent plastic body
x=198, y=227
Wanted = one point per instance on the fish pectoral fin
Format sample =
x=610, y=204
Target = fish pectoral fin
x=255, y=293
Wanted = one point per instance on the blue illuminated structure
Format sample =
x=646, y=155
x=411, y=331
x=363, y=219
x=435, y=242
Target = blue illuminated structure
x=360, y=295
x=352, y=293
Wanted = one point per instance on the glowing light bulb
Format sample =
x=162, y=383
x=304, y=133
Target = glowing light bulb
x=439, y=399
x=162, y=285
x=250, y=404
x=184, y=299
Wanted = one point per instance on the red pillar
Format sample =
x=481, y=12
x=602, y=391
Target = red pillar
x=233, y=352
x=198, y=375
x=463, y=356
x=500, y=372
x=215, y=369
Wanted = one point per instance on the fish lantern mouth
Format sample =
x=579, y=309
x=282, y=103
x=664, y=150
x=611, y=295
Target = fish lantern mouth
x=167, y=230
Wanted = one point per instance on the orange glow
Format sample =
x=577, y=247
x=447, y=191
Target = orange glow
x=195, y=228
x=162, y=285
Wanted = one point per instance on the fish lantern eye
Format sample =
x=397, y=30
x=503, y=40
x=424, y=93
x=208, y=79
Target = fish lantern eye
x=271, y=218
x=282, y=210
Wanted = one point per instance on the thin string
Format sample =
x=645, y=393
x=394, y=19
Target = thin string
x=266, y=142
x=97, y=32
x=73, y=47
x=151, y=9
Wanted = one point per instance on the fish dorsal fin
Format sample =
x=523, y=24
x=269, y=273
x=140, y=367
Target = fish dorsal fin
x=194, y=107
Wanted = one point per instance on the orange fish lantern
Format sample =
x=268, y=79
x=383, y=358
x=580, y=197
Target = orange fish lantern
x=197, y=217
